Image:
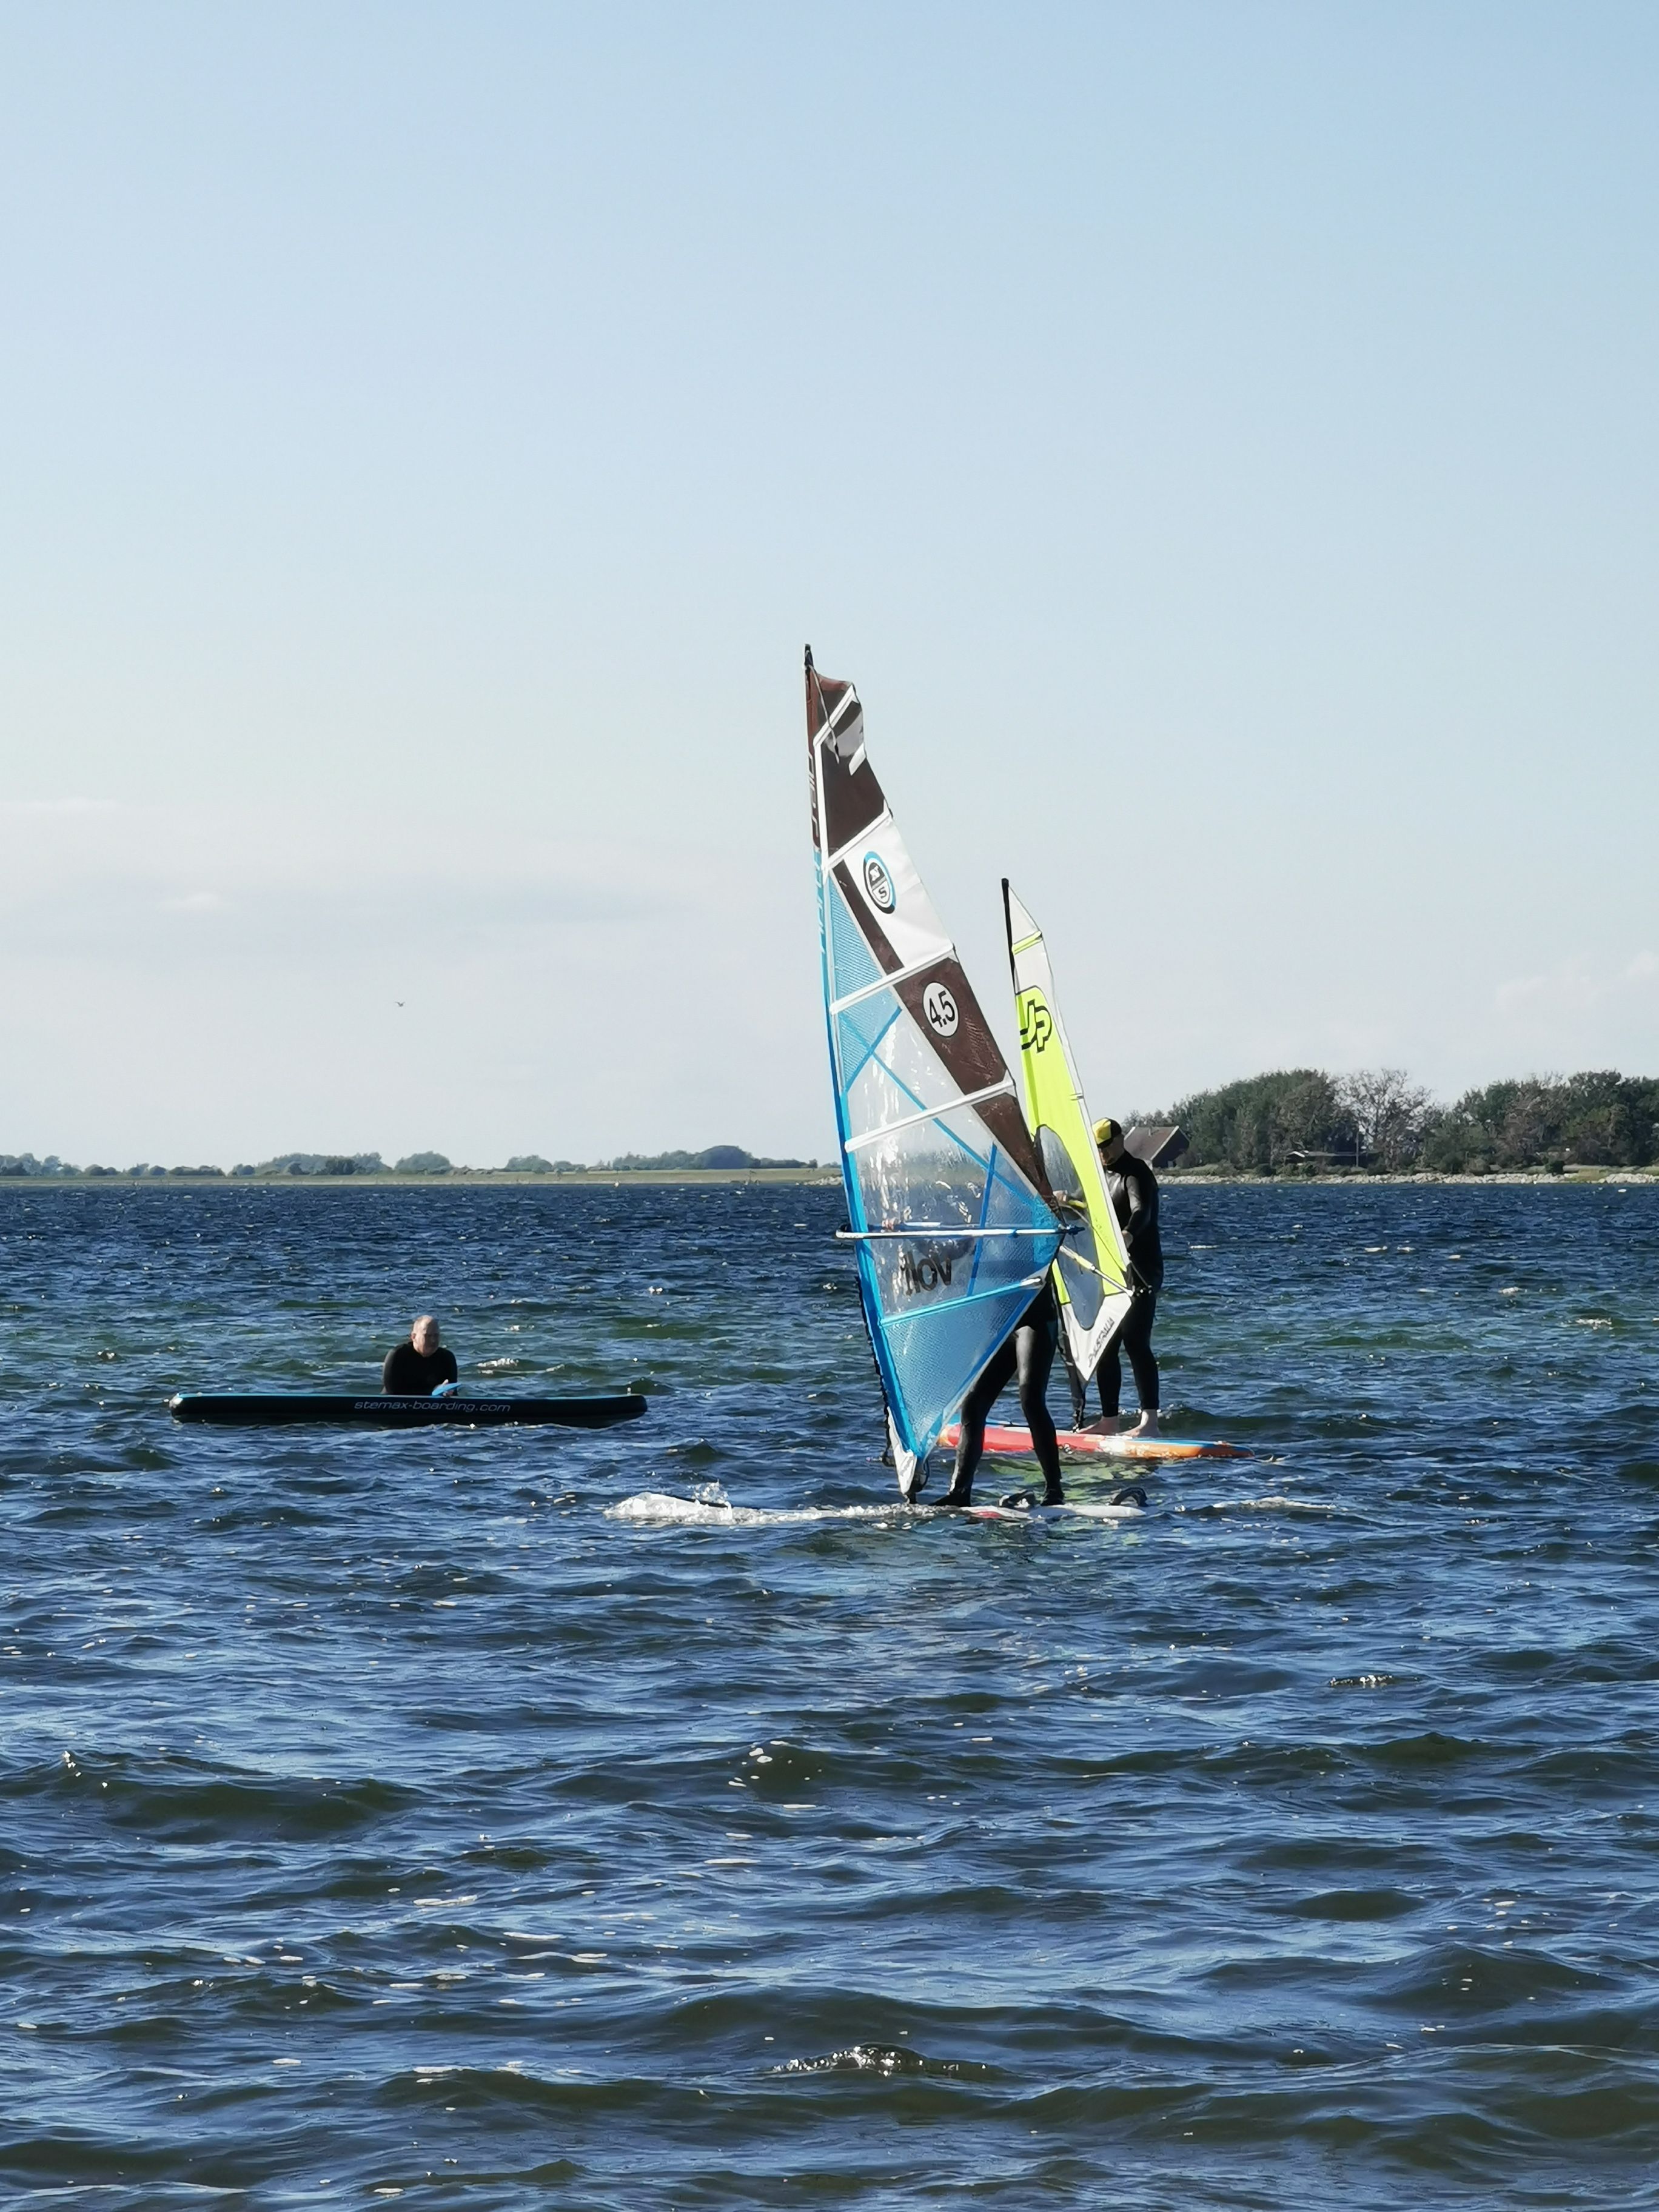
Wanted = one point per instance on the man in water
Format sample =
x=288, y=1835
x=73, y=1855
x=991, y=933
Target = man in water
x=1132, y=1189
x=420, y=1365
x=1028, y=1353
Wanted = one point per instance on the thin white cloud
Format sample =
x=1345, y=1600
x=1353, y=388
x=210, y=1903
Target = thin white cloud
x=34, y=808
x=1572, y=987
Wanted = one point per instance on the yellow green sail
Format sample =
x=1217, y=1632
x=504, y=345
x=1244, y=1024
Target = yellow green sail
x=1091, y=1273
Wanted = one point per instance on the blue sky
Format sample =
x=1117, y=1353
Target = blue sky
x=1219, y=442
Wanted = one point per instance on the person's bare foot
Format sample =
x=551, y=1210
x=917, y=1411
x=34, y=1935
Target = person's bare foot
x=1147, y=1426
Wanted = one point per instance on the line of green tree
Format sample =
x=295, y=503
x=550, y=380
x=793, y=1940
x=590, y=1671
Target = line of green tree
x=726, y=1156
x=1378, y=1119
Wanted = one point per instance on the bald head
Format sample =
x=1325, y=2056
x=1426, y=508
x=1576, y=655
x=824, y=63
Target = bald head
x=424, y=1334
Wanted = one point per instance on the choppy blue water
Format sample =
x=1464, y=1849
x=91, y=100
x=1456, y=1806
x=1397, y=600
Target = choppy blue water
x=383, y=1814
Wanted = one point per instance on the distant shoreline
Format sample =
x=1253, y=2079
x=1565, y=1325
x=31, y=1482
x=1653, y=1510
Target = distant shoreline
x=1196, y=1178
x=801, y=1178
x=466, y=1178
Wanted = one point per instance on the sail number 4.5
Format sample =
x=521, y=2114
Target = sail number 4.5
x=940, y=1009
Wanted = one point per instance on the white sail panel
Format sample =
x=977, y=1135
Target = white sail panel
x=882, y=879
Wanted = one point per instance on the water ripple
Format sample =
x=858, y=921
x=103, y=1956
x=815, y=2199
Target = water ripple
x=670, y=1817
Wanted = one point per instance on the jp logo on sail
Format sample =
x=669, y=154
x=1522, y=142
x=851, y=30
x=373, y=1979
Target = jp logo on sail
x=940, y=1009
x=1036, y=1026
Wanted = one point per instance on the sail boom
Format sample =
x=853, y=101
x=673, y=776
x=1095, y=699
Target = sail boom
x=952, y=1229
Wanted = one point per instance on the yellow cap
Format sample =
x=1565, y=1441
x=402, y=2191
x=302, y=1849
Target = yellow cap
x=1106, y=1129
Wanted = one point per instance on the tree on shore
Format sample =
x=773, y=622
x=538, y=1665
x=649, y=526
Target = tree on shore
x=1267, y=1122
x=1391, y=1116
x=1596, y=1118
x=725, y=1157
x=1378, y=1118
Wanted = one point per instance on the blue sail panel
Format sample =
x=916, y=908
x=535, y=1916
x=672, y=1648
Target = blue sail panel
x=851, y=963
x=864, y=1037
x=944, y=1298
x=938, y=1356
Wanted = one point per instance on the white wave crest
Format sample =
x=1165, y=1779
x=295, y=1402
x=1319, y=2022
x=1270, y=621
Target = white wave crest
x=1271, y=1504
x=658, y=1509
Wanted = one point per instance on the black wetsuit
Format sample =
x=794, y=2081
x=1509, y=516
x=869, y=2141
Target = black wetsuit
x=1132, y=1189
x=410, y=1374
x=1028, y=1353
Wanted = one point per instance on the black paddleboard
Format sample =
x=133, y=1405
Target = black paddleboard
x=226, y=1411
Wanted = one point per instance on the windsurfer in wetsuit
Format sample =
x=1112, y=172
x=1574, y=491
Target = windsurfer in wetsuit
x=420, y=1365
x=1132, y=1189
x=1028, y=1353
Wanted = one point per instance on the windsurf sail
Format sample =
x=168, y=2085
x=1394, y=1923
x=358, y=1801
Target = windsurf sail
x=1091, y=1271
x=945, y=1196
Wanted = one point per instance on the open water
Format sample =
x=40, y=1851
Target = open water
x=390, y=1814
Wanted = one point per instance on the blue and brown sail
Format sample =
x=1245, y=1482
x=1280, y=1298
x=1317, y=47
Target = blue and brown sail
x=946, y=1198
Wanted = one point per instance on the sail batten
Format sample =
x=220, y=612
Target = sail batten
x=923, y=1113
x=880, y=983
x=947, y=1201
